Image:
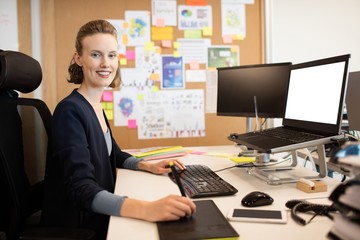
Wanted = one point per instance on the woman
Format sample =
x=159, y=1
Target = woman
x=83, y=155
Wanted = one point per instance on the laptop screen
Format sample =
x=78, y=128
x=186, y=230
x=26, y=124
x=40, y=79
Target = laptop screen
x=316, y=94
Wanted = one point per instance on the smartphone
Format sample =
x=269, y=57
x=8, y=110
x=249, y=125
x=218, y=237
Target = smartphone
x=257, y=215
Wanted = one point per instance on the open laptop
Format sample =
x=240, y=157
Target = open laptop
x=314, y=108
x=352, y=101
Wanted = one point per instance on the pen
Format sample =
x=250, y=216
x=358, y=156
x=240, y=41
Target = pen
x=177, y=179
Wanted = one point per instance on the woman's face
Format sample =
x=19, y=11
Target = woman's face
x=98, y=59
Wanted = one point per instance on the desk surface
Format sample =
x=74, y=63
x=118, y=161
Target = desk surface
x=146, y=186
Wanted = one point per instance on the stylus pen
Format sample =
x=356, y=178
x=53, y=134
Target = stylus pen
x=177, y=179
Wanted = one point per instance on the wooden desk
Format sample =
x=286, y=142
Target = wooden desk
x=147, y=186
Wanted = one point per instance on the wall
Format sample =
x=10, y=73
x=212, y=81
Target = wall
x=303, y=30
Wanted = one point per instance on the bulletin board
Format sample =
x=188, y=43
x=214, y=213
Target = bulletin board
x=70, y=15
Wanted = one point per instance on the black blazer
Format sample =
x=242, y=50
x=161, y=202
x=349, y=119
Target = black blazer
x=78, y=166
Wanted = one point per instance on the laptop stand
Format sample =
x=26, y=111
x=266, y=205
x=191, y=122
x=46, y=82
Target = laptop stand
x=272, y=174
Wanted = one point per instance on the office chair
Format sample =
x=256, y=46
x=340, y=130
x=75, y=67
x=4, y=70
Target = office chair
x=24, y=129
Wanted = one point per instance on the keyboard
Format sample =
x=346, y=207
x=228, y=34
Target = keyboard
x=200, y=181
x=291, y=135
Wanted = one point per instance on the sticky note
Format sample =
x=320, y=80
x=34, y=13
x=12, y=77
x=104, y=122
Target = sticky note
x=207, y=31
x=125, y=39
x=109, y=114
x=155, y=77
x=130, y=54
x=176, y=45
x=132, y=123
x=149, y=46
x=123, y=61
x=194, y=65
x=160, y=22
x=166, y=43
x=227, y=38
x=107, y=96
x=192, y=34
x=176, y=54
x=242, y=159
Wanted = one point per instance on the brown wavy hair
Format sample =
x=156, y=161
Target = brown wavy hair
x=76, y=74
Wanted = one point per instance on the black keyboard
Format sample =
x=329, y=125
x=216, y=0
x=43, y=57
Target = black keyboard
x=291, y=135
x=200, y=181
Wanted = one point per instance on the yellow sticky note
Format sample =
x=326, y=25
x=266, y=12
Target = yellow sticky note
x=176, y=54
x=155, y=77
x=140, y=96
x=176, y=45
x=207, y=31
x=238, y=37
x=109, y=114
x=242, y=159
x=125, y=39
x=155, y=89
x=162, y=33
x=123, y=61
x=192, y=34
x=149, y=46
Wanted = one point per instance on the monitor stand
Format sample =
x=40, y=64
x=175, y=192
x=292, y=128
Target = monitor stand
x=288, y=174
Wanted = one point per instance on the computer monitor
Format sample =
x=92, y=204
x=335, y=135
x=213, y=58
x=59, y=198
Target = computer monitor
x=352, y=101
x=242, y=88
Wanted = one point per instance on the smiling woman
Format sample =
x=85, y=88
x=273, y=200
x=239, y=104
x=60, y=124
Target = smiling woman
x=83, y=155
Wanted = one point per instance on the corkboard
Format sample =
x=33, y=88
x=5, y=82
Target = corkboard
x=69, y=15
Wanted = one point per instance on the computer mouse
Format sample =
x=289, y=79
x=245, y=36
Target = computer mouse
x=256, y=199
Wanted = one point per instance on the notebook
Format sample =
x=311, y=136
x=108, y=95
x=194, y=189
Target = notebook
x=313, y=107
x=352, y=101
x=206, y=223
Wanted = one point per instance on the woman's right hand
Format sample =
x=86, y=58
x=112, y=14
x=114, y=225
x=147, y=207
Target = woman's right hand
x=172, y=207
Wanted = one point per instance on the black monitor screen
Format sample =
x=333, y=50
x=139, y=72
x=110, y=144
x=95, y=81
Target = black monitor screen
x=237, y=87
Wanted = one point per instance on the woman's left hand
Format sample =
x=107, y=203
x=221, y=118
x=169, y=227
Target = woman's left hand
x=160, y=167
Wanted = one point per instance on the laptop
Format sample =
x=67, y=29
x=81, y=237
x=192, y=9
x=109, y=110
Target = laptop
x=313, y=108
x=352, y=101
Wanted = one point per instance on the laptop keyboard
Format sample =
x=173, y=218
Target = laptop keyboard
x=200, y=181
x=291, y=135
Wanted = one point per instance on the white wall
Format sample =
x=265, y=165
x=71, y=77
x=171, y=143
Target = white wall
x=304, y=30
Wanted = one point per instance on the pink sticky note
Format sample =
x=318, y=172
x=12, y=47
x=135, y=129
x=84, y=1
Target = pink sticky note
x=132, y=123
x=227, y=38
x=160, y=22
x=130, y=54
x=107, y=96
x=194, y=65
x=166, y=43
